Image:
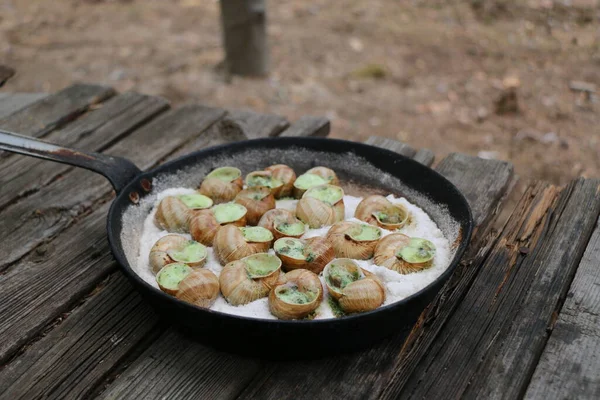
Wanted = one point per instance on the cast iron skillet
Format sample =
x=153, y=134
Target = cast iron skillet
x=260, y=337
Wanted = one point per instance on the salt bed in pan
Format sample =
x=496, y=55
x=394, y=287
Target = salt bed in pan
x=398, y=286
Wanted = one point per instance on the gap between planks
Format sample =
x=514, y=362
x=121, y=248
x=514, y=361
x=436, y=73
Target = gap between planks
x=491, y=344
x=166, y=367
x=211, y=136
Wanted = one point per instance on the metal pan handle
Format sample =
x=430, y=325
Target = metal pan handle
x=119, y=171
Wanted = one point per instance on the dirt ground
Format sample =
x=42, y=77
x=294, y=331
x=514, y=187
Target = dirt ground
x=490, y=78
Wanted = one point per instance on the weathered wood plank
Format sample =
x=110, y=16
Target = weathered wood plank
x=489, y=346
x=12, y=102
x=425, y=157
x=515, y=352
x=309, y=126
x=94, y=131
x=391, y=144
x=253, y=125
x=55, y=110
x=365, y=374
x=5, y=74
x=42, y=215
x=176, y=367
x=481, y=177
x=46, y=353
x=28, y=300
x=570, y=364
x=71, y=358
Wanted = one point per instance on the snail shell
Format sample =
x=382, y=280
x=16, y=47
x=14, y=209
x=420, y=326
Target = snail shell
x=299, y=296
x=173, y=215
x=317, y=213
x=353, y=240
x=355, y=289
x=286, y=175
x=204, y=224
x=257, y=200
x=387, y=254
x=265, y=179
x=327, y=176
x=231, y=244
x=310, y=254
x=199, y=287
x=222, y=184
x=251, y=278
x=166, y=248
x=282, y=223
x=372, y=210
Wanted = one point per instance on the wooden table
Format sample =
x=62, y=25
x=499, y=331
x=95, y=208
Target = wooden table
x=519, y=318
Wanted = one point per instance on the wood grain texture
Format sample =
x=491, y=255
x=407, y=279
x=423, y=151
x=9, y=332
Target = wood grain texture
x=94, y=131
x=54, y=111
x=309, y=126
x=73, y=357
x=393, y=145
x=481, y=177
x=252, y=124
x=12, y=102
x=365, y=374
x=244, y=30
x=46, y=282
x=488, y=347
x=544, y=283
x=570, y=364
x=5, y=74
x=39, y=217
x=176, y=367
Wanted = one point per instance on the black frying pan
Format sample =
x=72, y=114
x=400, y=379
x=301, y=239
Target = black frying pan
x=362, y=169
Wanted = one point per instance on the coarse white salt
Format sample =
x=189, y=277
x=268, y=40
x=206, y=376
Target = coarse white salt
x=398, y=286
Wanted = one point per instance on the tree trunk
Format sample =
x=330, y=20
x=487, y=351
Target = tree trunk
x=245, y=37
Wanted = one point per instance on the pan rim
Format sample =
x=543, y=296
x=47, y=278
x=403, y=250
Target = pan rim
x=132, y=275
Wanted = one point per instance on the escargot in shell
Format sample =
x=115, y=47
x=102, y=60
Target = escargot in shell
x=174, y=212
x=282, y=223
x=299, y=294
x=233, y=243
x=222, y=184
x=377, y=210
x=321, y=205
x=205, y=224
x=354, y=240
x=250, y=278
x=355, y=289
x=311, y=254
x=404, y=254
x=199, y=287
x=176, y=249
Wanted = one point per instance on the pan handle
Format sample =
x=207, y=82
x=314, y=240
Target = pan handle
x=119, y=171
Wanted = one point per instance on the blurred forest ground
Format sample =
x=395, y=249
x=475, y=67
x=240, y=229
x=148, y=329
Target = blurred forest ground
x=437, y=74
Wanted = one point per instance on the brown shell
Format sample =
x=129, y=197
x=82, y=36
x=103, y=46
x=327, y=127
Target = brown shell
x=286, y=175
x=256, y=208
x=220, y=191
x=239, y=288
x=274, y=191
x=365, y=294
x=374, y=203
x=204, y=226
x=277, y=216
x=317, y=253
x=304, y=280
x=172, y=215
x=316, y=213
x=346, y=247
x=159, y=256
x=385, y=255
x=229, y=245
x=200, y=287
x=324, y=173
